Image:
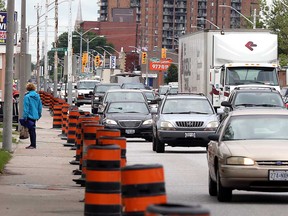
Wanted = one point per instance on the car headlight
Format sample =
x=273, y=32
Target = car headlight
x=110, y=122
x=165, y=125
x=212, y=126
x=148, y=122
x=240, y=161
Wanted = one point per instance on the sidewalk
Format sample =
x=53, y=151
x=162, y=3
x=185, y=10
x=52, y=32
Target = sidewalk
x=39, y=181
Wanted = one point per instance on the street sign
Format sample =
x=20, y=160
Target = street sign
x=112, y=62
x=59, y=49
x=159, y=66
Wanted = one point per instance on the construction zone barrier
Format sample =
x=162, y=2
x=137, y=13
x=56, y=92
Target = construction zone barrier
x=108, y=133
x=121, y=141
x=142, y=185
x=89, y=138
x=64, y=113
x=170, y=209
x=57, y=116
x=72, y=124
x=79, y=138
x=103, y=181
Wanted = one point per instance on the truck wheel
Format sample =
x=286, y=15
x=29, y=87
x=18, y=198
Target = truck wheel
x=160, y=146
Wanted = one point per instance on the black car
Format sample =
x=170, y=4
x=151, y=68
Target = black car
x=132, y=118
x=98, y=93
x=253, y=96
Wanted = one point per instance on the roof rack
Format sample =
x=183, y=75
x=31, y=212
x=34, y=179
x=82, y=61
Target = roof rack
x=255, y=87
x=185, y=93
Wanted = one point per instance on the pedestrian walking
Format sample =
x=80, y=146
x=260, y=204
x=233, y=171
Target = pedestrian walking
x=32, y=111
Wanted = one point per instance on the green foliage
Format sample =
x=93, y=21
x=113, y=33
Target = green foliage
x=4, y=158
x=2, y=5
x=172, y=74
x=275, y=17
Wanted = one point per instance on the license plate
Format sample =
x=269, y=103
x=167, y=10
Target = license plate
x=278, y=175
x=190, y=134
x=129, y=131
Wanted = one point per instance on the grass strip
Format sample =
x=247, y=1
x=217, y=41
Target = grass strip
x=4, y=158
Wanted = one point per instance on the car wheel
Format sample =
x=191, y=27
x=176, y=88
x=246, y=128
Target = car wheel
x=159, y=146
x=223, y=194
x=212, y=187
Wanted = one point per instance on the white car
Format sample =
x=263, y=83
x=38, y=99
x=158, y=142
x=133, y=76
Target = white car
x=84, y=91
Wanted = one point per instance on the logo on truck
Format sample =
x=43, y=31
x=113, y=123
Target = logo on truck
x=250, y=45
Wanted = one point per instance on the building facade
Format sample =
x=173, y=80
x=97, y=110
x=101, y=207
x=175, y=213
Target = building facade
x=161, y=22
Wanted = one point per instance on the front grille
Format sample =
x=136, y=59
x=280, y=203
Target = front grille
x=272, y=163
x=87, y=95
x=130, y=124
x=190, y=124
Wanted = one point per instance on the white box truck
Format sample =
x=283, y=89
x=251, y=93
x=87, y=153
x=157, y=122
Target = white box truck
x=214, y=62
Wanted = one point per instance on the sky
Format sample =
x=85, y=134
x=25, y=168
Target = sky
x=89, y=13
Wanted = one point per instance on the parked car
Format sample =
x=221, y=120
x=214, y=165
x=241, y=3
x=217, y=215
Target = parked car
x=121, y=95
x=249, y=152
x=184, y=120
x=253, y=96
x=84, y=91
x=132, y=118
x=98, y=92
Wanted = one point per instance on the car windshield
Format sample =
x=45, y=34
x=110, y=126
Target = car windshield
x=149, y=95
x=124, y=96
x=133, y=86
x=164, y=89
x=86, y=85
x=104, y=88
x=256, y=127
x=246, y=75
x=186, y=106
x=128, y=108
x=259, y=99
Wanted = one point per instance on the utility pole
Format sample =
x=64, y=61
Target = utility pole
x=45, y=47
x=69, y=74
x=8, y=101
x=56, y=53
x=23, y=54
x=38, y=50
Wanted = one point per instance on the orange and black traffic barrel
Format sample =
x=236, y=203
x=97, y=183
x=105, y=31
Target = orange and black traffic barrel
x=142, y=185
x=103, y=181
x=57, y=116
x=121, y=141
x=171, y=209
x=108, y=132
x=64, y=113
x=72, y=124
x=89, y=138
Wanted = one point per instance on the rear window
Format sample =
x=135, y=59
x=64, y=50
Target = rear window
x=125, y=96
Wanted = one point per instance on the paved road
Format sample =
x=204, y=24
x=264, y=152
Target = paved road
x=39, y=181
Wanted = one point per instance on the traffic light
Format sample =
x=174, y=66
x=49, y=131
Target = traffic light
x=163, y=53
x=84, y=58
x=97, y=61
x=144, y=58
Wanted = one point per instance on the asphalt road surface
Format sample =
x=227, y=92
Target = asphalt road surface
x=186, y=179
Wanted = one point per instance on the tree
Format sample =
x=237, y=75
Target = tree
x=172, y=74
x=2, y=5
x=275, y=17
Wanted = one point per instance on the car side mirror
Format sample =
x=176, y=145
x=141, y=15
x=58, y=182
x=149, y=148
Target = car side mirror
x=75, y=87
x=226, y=104
x=214, y=137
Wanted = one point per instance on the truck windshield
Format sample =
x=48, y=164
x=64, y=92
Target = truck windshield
x=248, y=75
x=86, y=85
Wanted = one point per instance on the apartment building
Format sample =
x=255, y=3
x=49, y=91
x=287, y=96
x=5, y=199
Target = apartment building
x=161, y=22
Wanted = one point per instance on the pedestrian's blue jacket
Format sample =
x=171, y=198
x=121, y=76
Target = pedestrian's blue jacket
x=32, y=106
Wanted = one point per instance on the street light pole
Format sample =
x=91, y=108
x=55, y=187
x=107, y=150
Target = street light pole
x=69, y=73
x=209, y=22
x=253, y=23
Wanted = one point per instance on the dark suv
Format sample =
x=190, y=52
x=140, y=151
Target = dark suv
x=183, y=120
x=252, y=96
x=98, y=92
